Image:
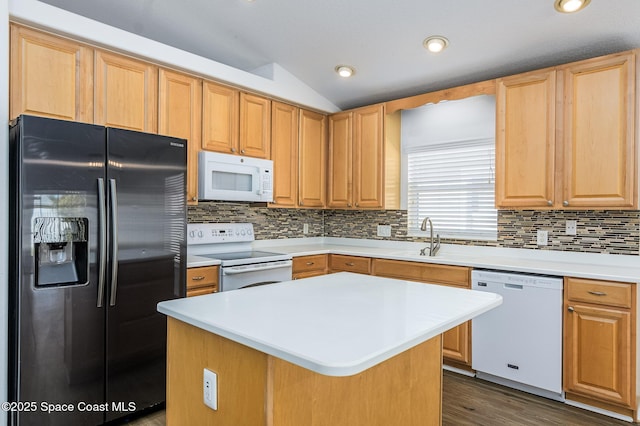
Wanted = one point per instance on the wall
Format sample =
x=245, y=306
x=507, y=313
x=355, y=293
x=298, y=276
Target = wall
x=4, y=182
x=268, y=223
x=614, y=232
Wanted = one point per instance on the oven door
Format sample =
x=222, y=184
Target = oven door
x=237, y=277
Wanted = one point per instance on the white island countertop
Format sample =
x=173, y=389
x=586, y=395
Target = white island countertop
x=336, y=325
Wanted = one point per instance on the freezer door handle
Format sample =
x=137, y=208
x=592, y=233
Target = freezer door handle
x=114, y=244
x=102, y=219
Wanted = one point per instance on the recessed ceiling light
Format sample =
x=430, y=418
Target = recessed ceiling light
x=435, y=44
x=345, y=71
x=571, y=6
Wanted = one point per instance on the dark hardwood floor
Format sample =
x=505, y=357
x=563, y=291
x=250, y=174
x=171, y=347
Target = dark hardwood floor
x=467, y=401
x=472, y=402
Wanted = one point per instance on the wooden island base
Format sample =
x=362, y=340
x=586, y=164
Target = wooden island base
x=258, y=389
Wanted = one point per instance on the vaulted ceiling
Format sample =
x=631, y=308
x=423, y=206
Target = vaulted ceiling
x=381, y=39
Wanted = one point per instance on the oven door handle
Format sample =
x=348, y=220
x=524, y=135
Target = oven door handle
x=234, y=270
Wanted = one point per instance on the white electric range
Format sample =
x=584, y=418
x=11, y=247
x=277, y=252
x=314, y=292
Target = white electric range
x=240, y=266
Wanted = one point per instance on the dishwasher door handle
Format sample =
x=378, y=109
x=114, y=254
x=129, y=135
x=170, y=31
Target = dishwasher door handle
x=514, y=286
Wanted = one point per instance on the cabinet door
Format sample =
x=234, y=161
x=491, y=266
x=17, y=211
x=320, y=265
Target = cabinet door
x=284, y=153
x=312, y=153
x=255, y=126
x=598, y=127
x=180, y=115
x=126, y=93
x=456, y=344
x=368, y=157
x=339, y=174
x=525, y=140
x=50, y=76
x=219, y=118
x=597, y=353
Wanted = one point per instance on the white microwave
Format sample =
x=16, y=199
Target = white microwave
x=234, y=178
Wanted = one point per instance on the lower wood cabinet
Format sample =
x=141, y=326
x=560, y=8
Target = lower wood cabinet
x=343, y=263
x=599, y=344
x=456, y=343
x=309, y=266
x=202, y=280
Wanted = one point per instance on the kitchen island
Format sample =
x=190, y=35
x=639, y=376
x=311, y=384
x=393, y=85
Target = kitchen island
x=342, y=349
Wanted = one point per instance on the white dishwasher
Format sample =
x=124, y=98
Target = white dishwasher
x=519, y=343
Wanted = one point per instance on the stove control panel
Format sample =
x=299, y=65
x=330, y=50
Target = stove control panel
x=211, y=233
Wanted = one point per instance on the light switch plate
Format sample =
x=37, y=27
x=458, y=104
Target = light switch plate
x=210, y=391
x=571, y=227
x=543, y=237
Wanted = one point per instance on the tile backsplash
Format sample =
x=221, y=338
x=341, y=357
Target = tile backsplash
x=609, y=231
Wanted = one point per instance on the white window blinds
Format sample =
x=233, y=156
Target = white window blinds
x=453, y=184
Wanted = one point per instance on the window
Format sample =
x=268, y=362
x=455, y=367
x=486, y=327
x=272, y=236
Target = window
x=453, y=184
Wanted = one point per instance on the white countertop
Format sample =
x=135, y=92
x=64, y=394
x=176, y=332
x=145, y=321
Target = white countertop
x=612, y=267
x=194, y=261
x=338, y=324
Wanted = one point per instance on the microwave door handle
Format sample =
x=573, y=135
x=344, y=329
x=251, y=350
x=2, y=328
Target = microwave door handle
x=233, y=271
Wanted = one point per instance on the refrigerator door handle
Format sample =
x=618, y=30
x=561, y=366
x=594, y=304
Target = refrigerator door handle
x=114, y=244
x=102, y=219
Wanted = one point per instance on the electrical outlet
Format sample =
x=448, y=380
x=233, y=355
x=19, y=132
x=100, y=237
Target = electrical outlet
x=571, y=227
x=305, y=228
x=543, y=237
x=210, y=389
x=384, y=230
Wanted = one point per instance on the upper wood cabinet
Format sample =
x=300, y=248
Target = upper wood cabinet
x=50, y=76
x=359, y=169
x=599, y=146
x=255, y=126
x=368, y=157
x=126, y=93
x=312, y=149
x=180, y=115
x=234, y=122
x=525, y=140
x=220, y=118
x=284, y=153
x=339, y=177
x=565, y=136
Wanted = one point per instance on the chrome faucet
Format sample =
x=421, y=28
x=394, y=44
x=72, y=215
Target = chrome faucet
x=432, y=249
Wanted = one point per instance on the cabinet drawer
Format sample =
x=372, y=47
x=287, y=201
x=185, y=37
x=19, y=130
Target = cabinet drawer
x=338, y=262
x=425, y=272
x=202, y=290
x=599, y=292
x=317, y=262
x=205, y=276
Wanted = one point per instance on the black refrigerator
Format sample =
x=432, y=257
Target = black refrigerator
x=97, y=239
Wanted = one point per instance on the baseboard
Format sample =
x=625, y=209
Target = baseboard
x=599, y=410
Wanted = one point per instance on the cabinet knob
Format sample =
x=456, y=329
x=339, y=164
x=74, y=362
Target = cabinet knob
x=565, y=203
x=310, y=263
x=274, y=202
x=233, y=150
x=242, y=151
x=570, y=309
x=348, y=204
x=357, y=205
x=549, y=202
x=301, y=203
x=194, y=198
